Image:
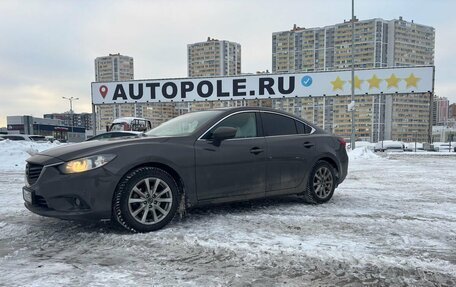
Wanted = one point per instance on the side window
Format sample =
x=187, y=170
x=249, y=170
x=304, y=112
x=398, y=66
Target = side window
x=303, y=128
x=276, y=125
x=245, y=123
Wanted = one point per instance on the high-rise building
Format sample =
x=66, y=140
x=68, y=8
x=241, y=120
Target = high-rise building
x=378, y=43
x=440, y=109
x=214, y=58
x=217, y=58
x=115, y=67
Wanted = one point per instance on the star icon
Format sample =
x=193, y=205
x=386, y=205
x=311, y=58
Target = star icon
x=393, y=81
x=412, y=81
x=358, y=82
x=374, y=82
x=338, y=84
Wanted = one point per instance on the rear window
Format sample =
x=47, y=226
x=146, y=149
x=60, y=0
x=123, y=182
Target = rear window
x=303, y=128
x=276, y=125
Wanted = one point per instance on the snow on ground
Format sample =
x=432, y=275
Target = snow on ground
x=14, y=153
x=391, y=223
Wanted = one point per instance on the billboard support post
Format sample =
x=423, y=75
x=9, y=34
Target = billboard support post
x=94, y=120
x=352, y=136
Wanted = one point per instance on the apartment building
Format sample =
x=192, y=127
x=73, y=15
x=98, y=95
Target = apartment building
x=115, y=67
x=205, y=59
x=378, y=43
x=214, y=58
x=440, y=111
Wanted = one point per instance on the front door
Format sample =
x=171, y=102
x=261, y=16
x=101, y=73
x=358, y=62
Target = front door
x=233, y=167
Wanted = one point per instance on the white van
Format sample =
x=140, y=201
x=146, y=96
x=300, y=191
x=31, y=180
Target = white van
x=130, y=124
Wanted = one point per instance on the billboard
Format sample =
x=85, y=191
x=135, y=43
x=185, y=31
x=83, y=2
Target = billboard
x=263, y=86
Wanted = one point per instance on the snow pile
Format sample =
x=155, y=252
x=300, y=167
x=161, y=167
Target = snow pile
x=364, y=144
x=14, y=153
x=362, y=153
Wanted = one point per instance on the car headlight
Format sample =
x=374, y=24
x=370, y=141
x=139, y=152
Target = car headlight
x=86, y=163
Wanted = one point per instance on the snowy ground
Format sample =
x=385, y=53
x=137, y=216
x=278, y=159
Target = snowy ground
x=391, y=223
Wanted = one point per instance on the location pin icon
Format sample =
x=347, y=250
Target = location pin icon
x=103, y=91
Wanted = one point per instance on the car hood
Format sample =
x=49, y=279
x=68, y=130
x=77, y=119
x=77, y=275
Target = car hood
x=78, y=150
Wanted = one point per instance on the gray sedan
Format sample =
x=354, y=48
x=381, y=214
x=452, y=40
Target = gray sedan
x=196, y=159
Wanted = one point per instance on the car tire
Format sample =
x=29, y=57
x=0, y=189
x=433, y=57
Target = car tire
x=146, y=199
x=321, y=184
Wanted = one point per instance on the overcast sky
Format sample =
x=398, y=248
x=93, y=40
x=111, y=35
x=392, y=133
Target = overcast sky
x=47, y=48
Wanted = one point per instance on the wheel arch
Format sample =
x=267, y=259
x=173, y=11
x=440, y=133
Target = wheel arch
x=165, y=167
x=183, y=201
x=333, y=163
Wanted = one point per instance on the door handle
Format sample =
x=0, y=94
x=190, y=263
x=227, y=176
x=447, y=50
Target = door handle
x=256, y=150
x=308, y=144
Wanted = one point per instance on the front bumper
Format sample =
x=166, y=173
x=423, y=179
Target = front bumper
x=83, y=196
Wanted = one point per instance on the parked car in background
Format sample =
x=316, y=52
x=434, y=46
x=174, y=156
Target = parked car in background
x=130, y=124
x=389, y=145
x=411, y=147
x=196, y=159
x=366, y=144
x=50, y=138
x=17, y=137
x=118, y=134
x=444, y=147
x=37, y=138
x=23, y=137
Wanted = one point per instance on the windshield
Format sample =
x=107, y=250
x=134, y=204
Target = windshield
x=38, y=138
x=117, y=127
x=183, y=125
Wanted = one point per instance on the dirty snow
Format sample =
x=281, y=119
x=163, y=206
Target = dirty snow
x=391, y=223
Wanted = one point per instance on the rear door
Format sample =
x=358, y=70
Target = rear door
x=234, y=167
x=290, y=151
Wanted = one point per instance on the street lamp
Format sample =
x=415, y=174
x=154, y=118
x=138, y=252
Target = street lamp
x=352, y=137
x=71, y=99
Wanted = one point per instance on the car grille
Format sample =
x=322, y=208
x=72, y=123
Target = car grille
x=33, y=171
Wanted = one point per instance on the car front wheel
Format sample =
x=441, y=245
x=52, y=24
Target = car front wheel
x=321, y=184
x=145, y=200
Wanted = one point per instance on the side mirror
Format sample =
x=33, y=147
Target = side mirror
x=223, y=133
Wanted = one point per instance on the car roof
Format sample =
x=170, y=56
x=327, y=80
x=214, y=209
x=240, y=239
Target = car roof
x=123, y=132
x=21, y=135
x=126, y=119
x=228, y=110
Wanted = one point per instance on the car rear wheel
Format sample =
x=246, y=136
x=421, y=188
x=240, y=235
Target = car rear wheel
x=145, y=200
x=321, y=184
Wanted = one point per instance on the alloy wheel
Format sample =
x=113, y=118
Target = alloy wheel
x=150, y=200
x=323, y=182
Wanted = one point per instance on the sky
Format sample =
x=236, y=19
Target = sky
x=47, y=48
